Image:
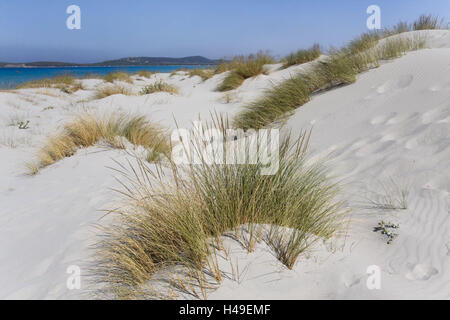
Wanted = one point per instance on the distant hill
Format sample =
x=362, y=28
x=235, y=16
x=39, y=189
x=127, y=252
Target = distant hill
x=147, y=61
x=131, y=61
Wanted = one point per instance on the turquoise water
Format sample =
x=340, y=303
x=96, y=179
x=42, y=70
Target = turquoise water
x=11, y=77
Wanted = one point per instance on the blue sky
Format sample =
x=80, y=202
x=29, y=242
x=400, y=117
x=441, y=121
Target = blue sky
x=32, y=30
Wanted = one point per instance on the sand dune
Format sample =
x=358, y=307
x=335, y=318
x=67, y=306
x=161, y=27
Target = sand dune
x=393, y=124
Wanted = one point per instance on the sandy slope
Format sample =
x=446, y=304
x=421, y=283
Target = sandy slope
x=394, y=122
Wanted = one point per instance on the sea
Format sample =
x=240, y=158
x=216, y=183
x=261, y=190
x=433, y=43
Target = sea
x=11, y=77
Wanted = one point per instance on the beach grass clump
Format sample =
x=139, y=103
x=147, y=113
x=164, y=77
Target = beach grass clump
x=205, y=74
x=65, y=83
x=364, y=42
x=144, y=74
x=118, y=76
x=242, y=68
x=165, y=224
x=106, y=91
x=223, y=67
x=275, y=105
x=428, y=22
x=87, y=129
x=302, y=56
x=394, y=48
x=400, y=27
x=159, y=86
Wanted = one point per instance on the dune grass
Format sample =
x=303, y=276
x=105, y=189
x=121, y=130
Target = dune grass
x=242, y=68
x=65, y=83
x=302, y=56
x=166, y=223
x=159, y=86
x=340, y=68
x=144, y=74
x=205, y=74
x=106, y=91
x=118, y=76
x=429, y=22
x=87, y=129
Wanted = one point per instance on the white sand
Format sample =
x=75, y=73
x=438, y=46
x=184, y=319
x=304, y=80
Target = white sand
x=393, y=123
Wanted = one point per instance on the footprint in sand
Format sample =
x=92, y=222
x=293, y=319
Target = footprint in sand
x=436, y=115
x=405, y=81
x=422, y=272
x=383, y=118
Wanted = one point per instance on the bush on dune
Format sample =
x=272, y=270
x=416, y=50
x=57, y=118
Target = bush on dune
x=87, y=129
x=165, y=224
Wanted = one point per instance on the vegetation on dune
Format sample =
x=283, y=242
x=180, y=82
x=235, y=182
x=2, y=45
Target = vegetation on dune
x=65, y=83
x=205, y=74
x=340, y=68
x=118, y=76
x=159, y=86
x=302, y=56
x=110, y=90
x=144, y=74
x=87, y=129
x=242, y=68
x=429, y=22
x=181, y=222
x=424, y=22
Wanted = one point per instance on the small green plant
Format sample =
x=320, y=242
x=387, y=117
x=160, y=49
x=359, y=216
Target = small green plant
x=386, y=228
x=393, y=196
x=23, y=124
x=159, y=86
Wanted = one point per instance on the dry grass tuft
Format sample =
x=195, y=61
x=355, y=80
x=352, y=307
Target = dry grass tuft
x=302, y=56
x=110, y=90
x=205, y=74
x=429, y=22
x=242, y=68
x=87, y=129
x=65, y=83
x=118, y=76
x=178, y=222
x=144, y=74
x=159, y=86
